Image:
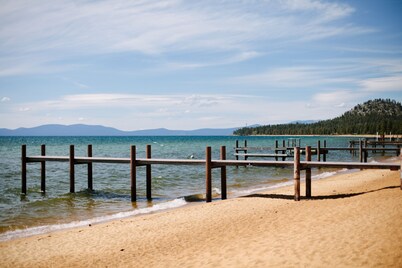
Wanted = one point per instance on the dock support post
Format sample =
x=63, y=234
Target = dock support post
x=223, y=174
x=208, y=174
x=318, y=150
x=237, y=151
x=296, y=172
x=360, y=151
x=276, y=149
x=133, y=173
x=245, y=150
x=149, y=173
x=24, y=169
x=72, y=170
x=324, y=153
x=90, y=173
x=365, y=152
x=43, y=169
x=284, y=151
x=400, y=169
x=308, y=172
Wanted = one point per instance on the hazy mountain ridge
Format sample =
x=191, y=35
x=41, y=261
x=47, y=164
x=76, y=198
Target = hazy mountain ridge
x=98, y=130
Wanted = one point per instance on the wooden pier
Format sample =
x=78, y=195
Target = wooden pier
x=321, y=150
x=208, y=162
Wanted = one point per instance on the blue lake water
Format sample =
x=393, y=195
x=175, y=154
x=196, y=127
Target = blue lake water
x=37, y=212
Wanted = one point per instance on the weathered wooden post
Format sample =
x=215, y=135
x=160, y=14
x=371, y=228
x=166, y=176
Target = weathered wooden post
x=318, y=150
x=350, y=146
x=24, y=169
x=237, y=151
x=360, y=150
x=223, y=174
x=133, y=173
x=245, y=150
x=276, y=149
x=284, y=150
x=43, y=170
x=400, y=169
x=324, y=155
x=149, y=173
x=72, y=169
x=365, y=152
x=296, y=172
x=208, y=174
x=90, y=176
x=308, y=172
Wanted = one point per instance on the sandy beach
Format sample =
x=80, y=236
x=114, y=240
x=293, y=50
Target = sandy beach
x=353, y=220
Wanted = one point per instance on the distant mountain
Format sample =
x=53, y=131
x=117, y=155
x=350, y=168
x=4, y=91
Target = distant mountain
x=97, y=130
x=382, y=116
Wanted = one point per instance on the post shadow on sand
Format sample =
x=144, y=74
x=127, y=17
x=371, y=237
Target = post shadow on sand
x=319, y=197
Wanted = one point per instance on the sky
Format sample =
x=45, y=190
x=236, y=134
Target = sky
x=194, y=64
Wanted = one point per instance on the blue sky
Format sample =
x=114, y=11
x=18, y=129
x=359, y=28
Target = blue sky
x=194, y=64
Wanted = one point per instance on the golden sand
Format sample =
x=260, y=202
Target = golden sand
x=353, y=220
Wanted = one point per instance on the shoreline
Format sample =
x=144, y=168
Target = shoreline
x=190, y=200
x=351, y=212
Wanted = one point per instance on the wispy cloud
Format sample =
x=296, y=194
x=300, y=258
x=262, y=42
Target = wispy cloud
x=132, y=111
x=63, y=29
x=382, y=84
x=297, y=77
x=75, y=83
x=135, y=102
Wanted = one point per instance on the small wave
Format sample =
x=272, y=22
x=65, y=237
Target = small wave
x=261, y=189
x=50, y=228
x=324, y=175
x=216, y=192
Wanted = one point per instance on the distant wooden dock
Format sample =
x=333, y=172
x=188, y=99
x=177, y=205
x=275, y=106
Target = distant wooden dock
x=364, y=147
x=222, y=163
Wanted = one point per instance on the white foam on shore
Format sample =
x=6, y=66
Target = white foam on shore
x=50, y=228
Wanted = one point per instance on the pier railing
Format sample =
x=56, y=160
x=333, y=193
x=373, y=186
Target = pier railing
x=208, y=162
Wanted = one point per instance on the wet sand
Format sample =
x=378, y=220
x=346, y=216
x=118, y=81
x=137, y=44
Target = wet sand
x=353, y=220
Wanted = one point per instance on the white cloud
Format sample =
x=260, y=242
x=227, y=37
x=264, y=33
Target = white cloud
x=5, y=99
x=337, y=98
x=236, y=58
x=133, y=111
x=340, y=105
x=24, y=109
x=135, y=102
x=295, y=77
x=62, y=29
x=382, y=84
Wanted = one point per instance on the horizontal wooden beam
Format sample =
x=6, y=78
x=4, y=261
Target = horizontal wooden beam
x=216, y=163
x=262, y=155
x=350, y=165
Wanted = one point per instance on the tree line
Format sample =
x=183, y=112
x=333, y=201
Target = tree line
x=382, y=116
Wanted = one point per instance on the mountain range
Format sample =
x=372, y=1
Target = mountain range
x=98, y=130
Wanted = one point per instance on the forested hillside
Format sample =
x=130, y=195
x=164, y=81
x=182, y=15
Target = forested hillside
x=379, y=115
